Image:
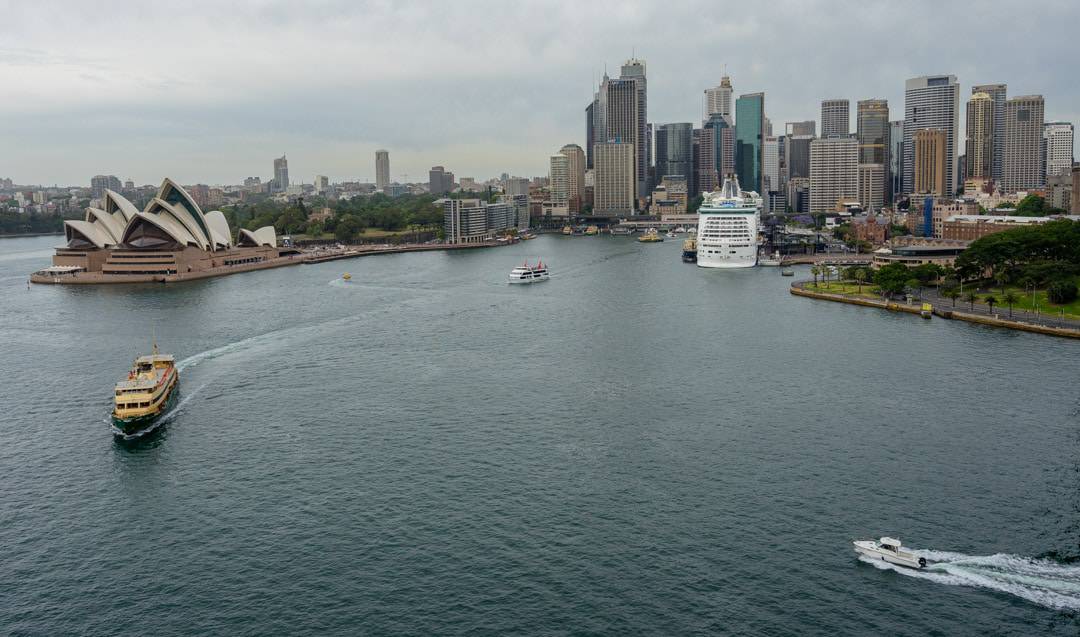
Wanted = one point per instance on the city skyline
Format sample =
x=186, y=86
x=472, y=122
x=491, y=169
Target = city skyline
x=87, y=107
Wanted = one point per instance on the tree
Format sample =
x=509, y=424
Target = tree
x=860, y=277
x=1010, y=299
x=991, y=300
x=347, y=228
x=1061, y=292
x=892, y=278
x=971, y=297
x=1001, y=277
x=815, y=271
x=952, y=294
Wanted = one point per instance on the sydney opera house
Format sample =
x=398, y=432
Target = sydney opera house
x=171, y=239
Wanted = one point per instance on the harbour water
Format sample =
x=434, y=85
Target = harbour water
x=637, y=446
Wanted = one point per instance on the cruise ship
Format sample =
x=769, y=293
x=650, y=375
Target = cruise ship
x=728, y=222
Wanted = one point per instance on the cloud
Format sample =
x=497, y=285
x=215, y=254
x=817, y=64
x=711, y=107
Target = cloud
x=211, y=93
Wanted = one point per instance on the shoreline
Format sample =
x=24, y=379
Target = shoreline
x=314, y=257
x=31, y=234
x=893, y=306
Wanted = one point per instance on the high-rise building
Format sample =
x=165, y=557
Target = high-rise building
x=835, y=117
x=100, y=183
x=281, y=174
x=559, y=180
x=575, y=176
x=322, y=184
x=979, y=149
x=1022, y=166
x=1058, y=138
x=749, y=134
x=440, y=181
x=613, y=192
x=834, y=172
x=674, y=150
x=517, y=186
x=382, y=169
x=718, y=99
x=634, y=71
x=998, y=95
x=618, y=118
x=930, y=162
x=809, y=127
x=773, y=178
x=872, y=131
x=896, y=159
x=797, y=149
x=872, y=185
x=591, y=112
x=715, y=153
x=932, y=101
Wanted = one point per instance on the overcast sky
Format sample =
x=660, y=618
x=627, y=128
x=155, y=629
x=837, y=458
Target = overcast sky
x=208, y=94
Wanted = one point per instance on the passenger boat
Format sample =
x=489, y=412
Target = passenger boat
x=149, y=390
x=728, y=221
x=591, y=230
x=347, y=276
x=689, y=250
x=567, y=230
x=650, y=236
x=888, y=549
x=529, y=273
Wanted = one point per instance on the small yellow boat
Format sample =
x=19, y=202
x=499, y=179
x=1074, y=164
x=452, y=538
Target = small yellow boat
x=347, y=276
x=650, y=236
x=567, y=230
x=592, y=230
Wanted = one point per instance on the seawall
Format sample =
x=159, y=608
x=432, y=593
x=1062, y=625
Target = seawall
x=798, y=290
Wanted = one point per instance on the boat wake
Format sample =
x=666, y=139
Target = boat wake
x=1039, y=581
x=166, y=417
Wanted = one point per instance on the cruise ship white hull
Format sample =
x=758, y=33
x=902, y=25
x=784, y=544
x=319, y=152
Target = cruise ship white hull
x=724, y=257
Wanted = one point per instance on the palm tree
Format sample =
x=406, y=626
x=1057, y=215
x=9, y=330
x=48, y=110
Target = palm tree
x=951, y=293
x=815, y=271
x=1001, y=278
x=1010, y=299
x=971, y=297
x=991, y=300
x=860, y=277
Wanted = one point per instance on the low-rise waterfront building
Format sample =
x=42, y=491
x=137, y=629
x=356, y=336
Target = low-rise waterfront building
x=972, y=227
x=915, y=251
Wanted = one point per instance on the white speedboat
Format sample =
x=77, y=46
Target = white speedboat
x=529, y=273
x=889, y=550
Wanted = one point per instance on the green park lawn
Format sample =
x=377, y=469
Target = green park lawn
x=844, y=287
x=1024, y=302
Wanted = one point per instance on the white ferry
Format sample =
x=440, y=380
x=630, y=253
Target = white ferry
x=529, y=273
x=728, y=221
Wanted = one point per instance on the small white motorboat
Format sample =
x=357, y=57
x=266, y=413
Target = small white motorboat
x=889, y=550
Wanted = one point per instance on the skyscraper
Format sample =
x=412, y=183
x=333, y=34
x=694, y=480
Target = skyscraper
x=834, y=172
x=590, y=129
x=575, y=175
x=932, y=101
x=634, y=71
x=559, y=181
x=715, y=153
x=979, y=149
x=835, y=118
x=100, y=183
x=872, y=118
x=1022, y=164
x=798, y=156
x=618, y=118
x=749, y=134
x=718, y=99
x=930, y=162
x=382, y=169
x=1058, y=138
x=998, y=95
x=281, y=174
x=673, y=150
x=613, y=192
x=809, y=127
x=896, y=159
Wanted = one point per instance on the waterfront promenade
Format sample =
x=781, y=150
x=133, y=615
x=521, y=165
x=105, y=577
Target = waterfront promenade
x=1041, y=324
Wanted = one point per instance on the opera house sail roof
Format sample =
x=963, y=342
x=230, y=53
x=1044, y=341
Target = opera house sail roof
x=171, y=221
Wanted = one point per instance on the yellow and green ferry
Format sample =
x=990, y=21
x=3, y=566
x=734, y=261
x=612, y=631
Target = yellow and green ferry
x=148, y=392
